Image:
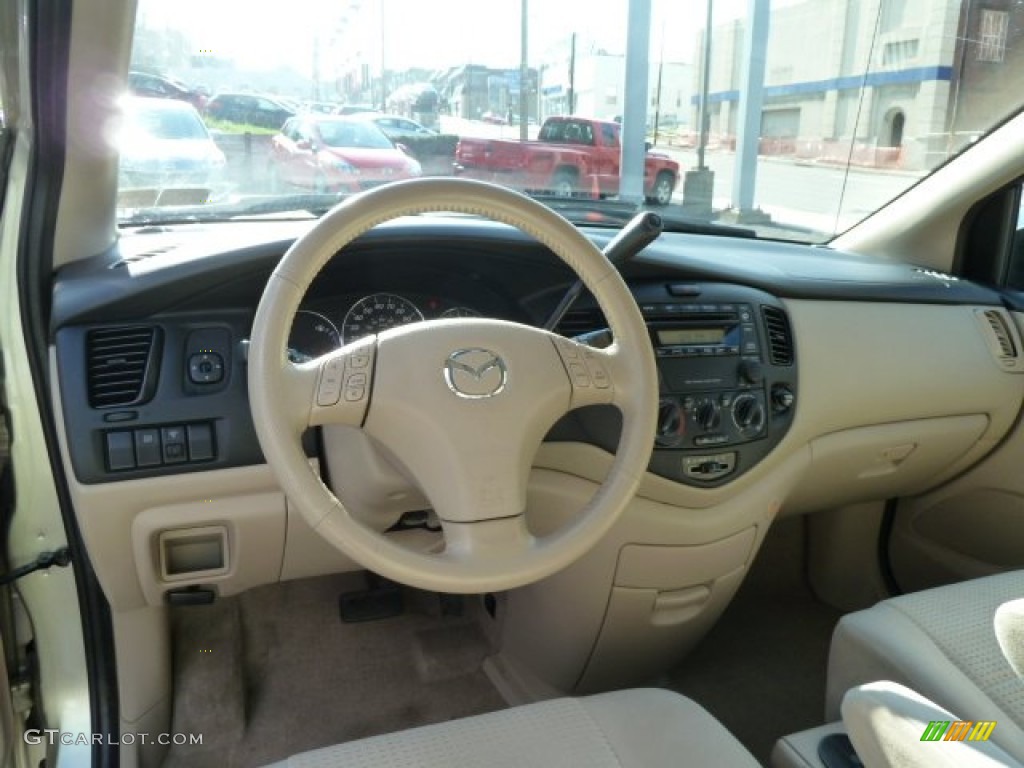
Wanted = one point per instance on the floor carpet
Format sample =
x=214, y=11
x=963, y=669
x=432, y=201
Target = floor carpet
x=274, y=671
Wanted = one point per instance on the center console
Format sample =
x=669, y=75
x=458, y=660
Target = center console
x=727, y=379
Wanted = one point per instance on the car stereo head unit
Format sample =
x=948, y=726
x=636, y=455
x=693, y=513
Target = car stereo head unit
x=703, y=330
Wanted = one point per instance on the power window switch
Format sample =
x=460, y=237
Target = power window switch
x=147, y=447
x=120, y=451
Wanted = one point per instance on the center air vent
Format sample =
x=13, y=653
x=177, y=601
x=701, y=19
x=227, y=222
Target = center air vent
x=780, y=337
x=580, y=321
x=120, y=363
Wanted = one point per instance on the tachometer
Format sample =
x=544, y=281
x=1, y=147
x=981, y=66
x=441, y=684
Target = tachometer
x=376, y=313
x=311, y=335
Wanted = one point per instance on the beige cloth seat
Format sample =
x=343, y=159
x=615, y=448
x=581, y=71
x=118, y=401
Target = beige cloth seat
x=957, y=646
x=641, y=727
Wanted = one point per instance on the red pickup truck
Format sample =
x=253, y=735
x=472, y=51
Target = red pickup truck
x=572, y=156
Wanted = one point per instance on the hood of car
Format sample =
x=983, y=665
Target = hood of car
x=171, y=152
x=371, y=158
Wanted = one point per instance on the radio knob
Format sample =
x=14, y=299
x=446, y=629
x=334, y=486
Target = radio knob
x=748, y=414
x=671, y=423
x=708, y=415
x=750, y=371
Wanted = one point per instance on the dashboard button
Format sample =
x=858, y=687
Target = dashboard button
x=147, y=447
x=200, y=442
x=205, y=368
x=173, y=440
x=120, y=451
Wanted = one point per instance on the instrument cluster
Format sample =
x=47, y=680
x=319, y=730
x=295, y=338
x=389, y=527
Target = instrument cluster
x=322, y=327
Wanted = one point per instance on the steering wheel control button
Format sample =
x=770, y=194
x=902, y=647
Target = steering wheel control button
x=359, y=360
x=597, y=372
x=173, y=441
x=331, y=380
x=147, y=447
x=120, y=451
x=206, y=368
x=355, y=387
x=579, y=374
x=200, y=442
x=475, y=373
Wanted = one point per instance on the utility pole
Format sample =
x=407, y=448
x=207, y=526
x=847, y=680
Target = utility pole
x=657, y=96
x=524, y=75
x=699, y=183
x=703, y=118
x=572, y=74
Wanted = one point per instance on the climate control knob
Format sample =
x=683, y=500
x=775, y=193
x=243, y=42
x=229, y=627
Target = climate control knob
x=707, y=415
x=671, y=423
x=748, y=415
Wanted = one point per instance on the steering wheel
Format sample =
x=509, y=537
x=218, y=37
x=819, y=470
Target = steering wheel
x=461, y=405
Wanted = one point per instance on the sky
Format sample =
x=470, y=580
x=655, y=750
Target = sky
x=432, y=34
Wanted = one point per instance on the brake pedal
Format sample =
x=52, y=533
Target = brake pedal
x=382, y=599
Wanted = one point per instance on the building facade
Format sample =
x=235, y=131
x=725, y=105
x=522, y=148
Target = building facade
x=892, y=99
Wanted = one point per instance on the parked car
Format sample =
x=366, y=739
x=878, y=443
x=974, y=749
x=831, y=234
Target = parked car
x=249, y=109
x=164, y=143
x=571, y=156
x=161, y=87
x=396, y=127
x=333, y=153
x=354, y=109
x=319, y=107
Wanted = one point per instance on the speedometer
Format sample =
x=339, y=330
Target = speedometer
x=376, y=313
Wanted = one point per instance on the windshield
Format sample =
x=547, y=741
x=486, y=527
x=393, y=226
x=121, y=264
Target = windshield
x=796, y=119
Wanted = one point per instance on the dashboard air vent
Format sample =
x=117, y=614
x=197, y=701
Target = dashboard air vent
x=780, y=337
x=1001, y=336
x=580, y=321
x=119, y=361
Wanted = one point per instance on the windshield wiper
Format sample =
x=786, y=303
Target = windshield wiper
x=248, y=207
x=616, y=213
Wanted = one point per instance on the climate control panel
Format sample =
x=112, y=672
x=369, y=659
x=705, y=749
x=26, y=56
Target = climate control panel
x=727, y=368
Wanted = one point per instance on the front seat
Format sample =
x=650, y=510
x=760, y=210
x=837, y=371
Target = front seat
x=640, y=727
x=960, y=646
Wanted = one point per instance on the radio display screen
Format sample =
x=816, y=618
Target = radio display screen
x=674, y=337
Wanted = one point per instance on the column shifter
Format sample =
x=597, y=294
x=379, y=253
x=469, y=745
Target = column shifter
x=642, y=230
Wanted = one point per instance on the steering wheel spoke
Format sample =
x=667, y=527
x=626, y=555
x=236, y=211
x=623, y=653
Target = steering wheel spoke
x=344, y=382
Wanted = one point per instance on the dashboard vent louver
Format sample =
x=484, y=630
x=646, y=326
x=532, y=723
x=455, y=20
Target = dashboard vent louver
x=118, y=361
x=580, y=321
x=780, y=337
x=1002, y=334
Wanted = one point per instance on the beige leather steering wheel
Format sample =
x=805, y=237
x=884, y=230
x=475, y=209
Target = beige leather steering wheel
x=462, y=405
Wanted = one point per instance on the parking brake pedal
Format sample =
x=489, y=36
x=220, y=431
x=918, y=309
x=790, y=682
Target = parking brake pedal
x=382, y=599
